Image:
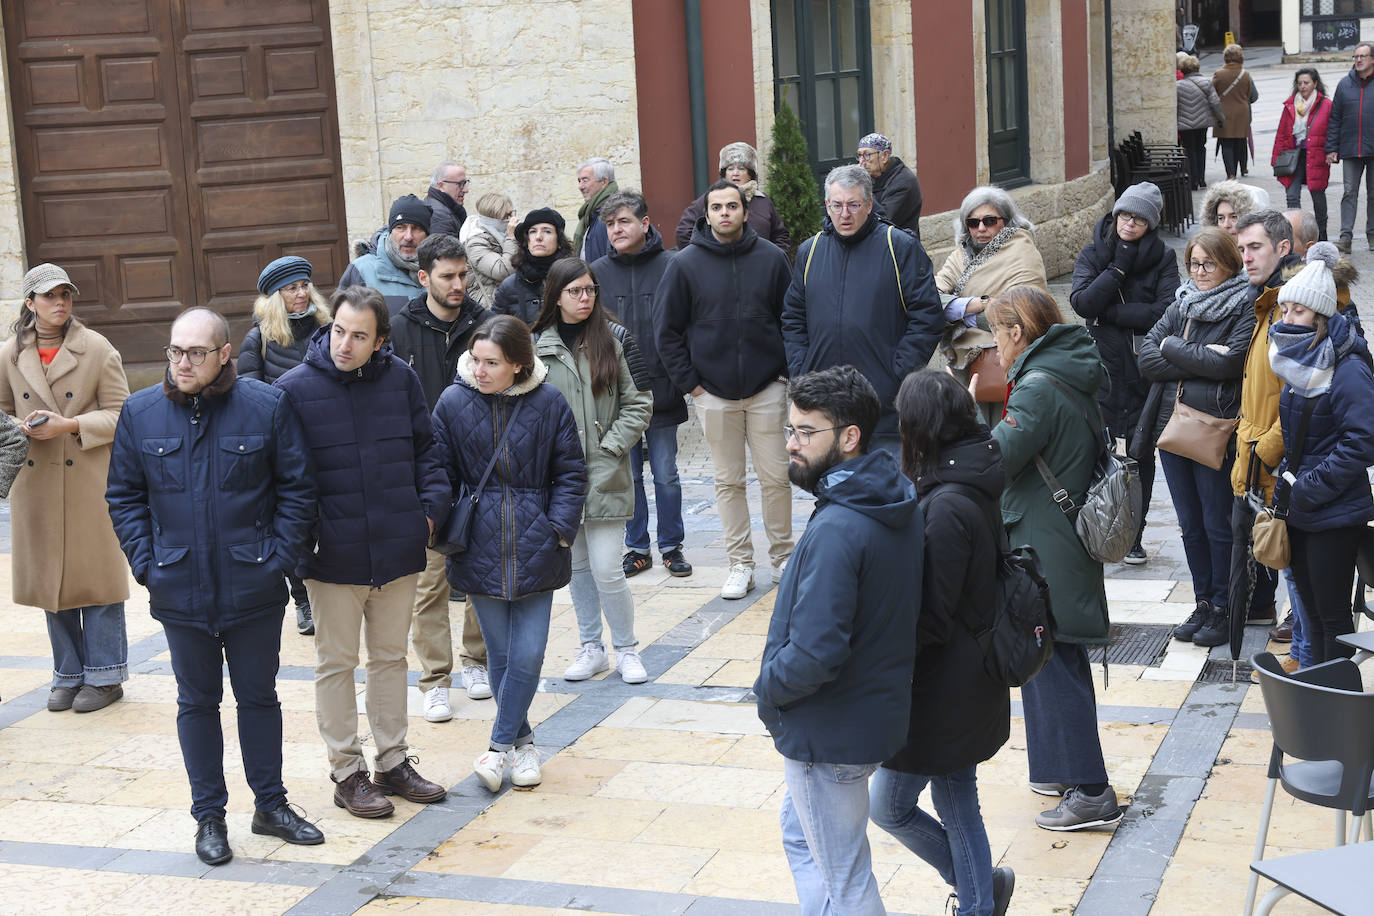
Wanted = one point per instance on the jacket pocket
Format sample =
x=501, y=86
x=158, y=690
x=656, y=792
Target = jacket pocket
x=169, y=575
x=164, y=466
x=243, y=462
x=608, y=473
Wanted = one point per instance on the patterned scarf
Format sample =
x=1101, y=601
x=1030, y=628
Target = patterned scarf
x=979, y=258
x=1308, y=369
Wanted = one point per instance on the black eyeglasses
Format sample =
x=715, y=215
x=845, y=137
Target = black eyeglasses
x=803, y=436
x=988, y=221
x=196, y=355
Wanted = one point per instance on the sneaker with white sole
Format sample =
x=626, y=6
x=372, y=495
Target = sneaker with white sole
x=738, y=583
x=631, y=665
x=489, y=768
x=437, y=708
x=591, y=660
x=524, y=766
x=1052, y=789
x=476, y=683
x=1077, y=811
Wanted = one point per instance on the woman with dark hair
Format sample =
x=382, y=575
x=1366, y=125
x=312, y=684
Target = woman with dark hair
x=959, y=715
x=739, y=165
x=1055, y=371
x=539, y=243
x=596, y=365
x=1195, y=356
x=518, y=548
x=65, y=385
x=1302, y=126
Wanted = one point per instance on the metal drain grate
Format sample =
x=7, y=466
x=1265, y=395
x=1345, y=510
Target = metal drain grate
x=1218, y=671
x=1134, y=644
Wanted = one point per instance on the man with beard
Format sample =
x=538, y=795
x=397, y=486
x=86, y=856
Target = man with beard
x=842, y=641
x=393, y=268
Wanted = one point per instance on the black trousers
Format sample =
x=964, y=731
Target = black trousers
x=1323, y=567
x=1195, y=146
x=1233, y=154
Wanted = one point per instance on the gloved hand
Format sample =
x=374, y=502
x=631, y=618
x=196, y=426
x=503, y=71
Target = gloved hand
x=1125, y=256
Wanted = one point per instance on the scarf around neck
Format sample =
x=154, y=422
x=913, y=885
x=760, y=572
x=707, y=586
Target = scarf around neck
x=1214, y=304
x=977, y=258
x=409, y=266
x=1306, y=368
x=535, y=268
x=494, y=226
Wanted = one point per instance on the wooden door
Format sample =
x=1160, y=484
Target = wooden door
x=168, y=149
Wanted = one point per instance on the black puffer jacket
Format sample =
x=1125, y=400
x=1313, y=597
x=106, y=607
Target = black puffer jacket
x=279, y=359
x=1211, y=380
x=899, y=194
x=959, y=715
x=1119, y=310
x=420, y=341
x=522, y=293
x=628, y=283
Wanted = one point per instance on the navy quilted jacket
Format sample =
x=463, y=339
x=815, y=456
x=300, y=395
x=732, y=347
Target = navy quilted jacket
x=532, y=504
x=376, y=465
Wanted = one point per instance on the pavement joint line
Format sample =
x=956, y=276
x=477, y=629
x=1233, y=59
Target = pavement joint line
x=159, y=862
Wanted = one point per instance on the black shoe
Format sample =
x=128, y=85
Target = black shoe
x=634, y=563
x=1261, y=616
x=285, y=824
x=1343, y=244
x=212, y=841
x=1003, y=883
x=676, y=563
x=1185, y=631
x=1216, y=631
x=305, y=621
x=1136, y=556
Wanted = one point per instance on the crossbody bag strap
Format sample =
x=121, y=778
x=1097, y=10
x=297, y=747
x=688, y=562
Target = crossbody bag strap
x=1058, y=493
x=1299, y=440
x=810, y=253
x=898, y=270
x=500, y=443
x=1233, y=82
x=1187, y=326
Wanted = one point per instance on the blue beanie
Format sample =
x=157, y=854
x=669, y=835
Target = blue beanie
x=283, y=272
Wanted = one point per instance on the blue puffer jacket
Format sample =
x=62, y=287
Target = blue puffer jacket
x=375, y=269
x=376, y=464
x=1332, y=488
x=835, y=682
x=212, y=499
x=532, y=504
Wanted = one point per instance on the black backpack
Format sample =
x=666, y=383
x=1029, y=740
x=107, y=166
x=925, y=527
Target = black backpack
x=1017, y=639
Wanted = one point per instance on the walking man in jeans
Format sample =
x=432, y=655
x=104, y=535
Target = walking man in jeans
x=834, y=686
x=1350, y=141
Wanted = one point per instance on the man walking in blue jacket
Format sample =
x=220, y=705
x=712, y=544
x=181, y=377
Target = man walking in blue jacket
x=1350, y=141
x=834, y=686
x=382, y=492
x=211, y=496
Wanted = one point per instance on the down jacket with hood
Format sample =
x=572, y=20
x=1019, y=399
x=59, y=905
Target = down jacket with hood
x=1243, y=198
x=423, y=343
x=376, y=465
x=959, y=715
x=1318, y=123
x=489, y=260
x=531, y=508
x=1121, y=310
x=834, y=685
x=763, y=219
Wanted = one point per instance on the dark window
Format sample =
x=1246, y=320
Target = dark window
x=1008, y=120
x=823, y=69
x=1329, y=9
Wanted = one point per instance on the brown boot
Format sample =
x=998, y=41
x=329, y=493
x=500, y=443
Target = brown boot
x=360, y=797
x=402, y=780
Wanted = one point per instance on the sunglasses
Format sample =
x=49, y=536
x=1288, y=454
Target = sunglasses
x=988, y=221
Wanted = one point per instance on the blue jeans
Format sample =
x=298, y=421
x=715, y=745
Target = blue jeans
x=824, y=833
x=253, y=653
x=1202, y=501
x=89, y=645
x=956, y=845
x=516, y=633
x=667, y=492
x=1299, y=648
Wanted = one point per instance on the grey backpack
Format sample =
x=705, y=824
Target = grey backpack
x=1109, y=518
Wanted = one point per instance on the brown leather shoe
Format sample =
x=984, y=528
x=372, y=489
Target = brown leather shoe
x=360, y=797
x=402, y=780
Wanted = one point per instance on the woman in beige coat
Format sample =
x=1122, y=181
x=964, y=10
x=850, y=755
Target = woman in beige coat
x=1237, y=92
x=65, y=384
x=489, y=238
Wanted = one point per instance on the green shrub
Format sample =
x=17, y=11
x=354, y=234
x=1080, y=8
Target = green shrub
x=791, y=184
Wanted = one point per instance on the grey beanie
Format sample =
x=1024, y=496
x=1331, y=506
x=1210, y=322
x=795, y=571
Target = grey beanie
x=1313, y=286
x=1141, y=199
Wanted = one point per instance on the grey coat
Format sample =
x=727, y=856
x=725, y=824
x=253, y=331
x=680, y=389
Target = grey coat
x=1199, y=106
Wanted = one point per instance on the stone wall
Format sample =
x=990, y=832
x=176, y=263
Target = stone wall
x=522, y=95
x=12, y=265
x=894, y=105
x=1143, y=69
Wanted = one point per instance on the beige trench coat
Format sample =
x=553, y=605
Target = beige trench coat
x=65, y=551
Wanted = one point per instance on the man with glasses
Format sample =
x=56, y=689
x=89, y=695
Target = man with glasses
x=834, y=684
x=862, y=294
x=1350, y=141
x=212, y=498
x=895, y=188
x=719, y=339
x=447, y=188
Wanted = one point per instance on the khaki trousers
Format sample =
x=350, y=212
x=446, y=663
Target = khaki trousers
x=430, y=632
x=380, y=616
x=728, y=425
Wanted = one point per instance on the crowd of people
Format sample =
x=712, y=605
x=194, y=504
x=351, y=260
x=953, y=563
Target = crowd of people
x=468, y=416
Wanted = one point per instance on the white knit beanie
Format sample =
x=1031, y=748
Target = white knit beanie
x=1313, y=286
x=739, y=153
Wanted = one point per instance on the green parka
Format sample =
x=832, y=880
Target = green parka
x=1042, y=420
x=607, y=424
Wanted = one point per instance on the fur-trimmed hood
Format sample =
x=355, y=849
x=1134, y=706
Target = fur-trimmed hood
x=466, y=375
x=1243, y=198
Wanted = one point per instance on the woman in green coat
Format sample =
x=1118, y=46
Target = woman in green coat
x=1054, y=375
x=590, y=360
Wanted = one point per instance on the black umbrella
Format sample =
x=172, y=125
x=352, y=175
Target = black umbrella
x=1242, y=584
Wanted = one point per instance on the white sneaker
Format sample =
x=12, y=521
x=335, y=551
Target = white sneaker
x=631, y=666
x=524, y=766
x=489, y=768
x=738, y=583
x=436, y=705
x=475, y=680
x=591, y=660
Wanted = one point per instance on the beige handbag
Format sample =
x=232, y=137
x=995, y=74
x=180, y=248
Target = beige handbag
x=1196, y=434
x=1271, y=540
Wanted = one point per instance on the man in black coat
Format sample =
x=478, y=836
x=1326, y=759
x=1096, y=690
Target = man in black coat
x=429, y=334
x=1350, y=141
x=895, y=187
x=628, y=276
x=720, y=340
x=447, y=188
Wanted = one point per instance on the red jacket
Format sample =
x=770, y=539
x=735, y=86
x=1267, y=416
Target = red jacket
x=1318, y=169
